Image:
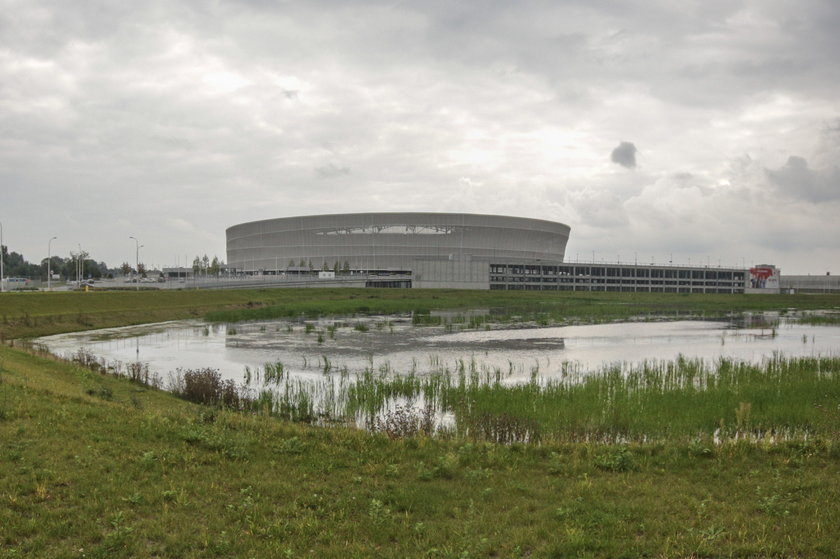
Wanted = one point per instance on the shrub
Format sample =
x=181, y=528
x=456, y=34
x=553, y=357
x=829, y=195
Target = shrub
x=206, y=386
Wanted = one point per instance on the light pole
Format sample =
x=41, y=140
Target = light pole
x=80, y=264
x=2, y=275
x=137, y=260
x=49, y=262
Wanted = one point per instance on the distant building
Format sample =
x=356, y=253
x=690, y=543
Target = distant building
x=810, y=284
x=403, y=249
x=447, y=250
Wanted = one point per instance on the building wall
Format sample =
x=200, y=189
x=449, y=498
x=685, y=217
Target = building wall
x=391, y=242
x=616, y=277
x=461, y=273
x=811, y=284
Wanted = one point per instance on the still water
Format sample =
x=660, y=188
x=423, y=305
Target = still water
x=393, y=344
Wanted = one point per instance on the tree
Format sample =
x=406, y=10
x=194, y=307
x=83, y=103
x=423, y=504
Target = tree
x=346, y=268
x=311, y=267
x=141, y=269
x=215, y=266
x=56, y=264
x=15, y=265
x=68, y=270
x=291, y=263
x=205, y=264
x=325, y=267
x=91, y=268
x=126, y=268
x=302, y=263
x=196, y=265
x=102, y=268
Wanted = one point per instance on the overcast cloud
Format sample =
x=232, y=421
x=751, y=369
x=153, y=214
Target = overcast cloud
x=171, y=121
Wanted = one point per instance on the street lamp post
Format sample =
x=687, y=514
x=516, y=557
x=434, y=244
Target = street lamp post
x=80, y=265
x=2, y=275
x=49, y=263
x=137, y=260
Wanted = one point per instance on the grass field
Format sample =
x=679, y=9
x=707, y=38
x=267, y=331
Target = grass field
x=33, y=314
x=92, y=465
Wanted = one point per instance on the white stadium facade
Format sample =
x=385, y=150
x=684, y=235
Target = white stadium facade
x=447, y=250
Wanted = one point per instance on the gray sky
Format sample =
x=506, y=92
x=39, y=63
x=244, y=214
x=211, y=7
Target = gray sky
x=708, y=130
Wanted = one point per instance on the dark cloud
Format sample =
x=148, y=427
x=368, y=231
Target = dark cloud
x=625, y=155
x=332, y=170
x=795, y=178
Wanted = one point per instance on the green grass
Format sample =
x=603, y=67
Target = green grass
x=33, y=314
x=821, y=320
x=97, y=466
x=674, y=402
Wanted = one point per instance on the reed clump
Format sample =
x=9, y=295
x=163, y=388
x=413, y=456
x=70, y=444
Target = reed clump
x=685, y=399
x=405, y=421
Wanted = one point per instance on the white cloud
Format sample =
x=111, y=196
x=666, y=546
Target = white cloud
x=148, y=117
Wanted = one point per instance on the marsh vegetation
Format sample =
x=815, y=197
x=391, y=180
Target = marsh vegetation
x=515, y=386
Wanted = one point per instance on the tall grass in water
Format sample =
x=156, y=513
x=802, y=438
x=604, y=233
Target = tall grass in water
x=137, y=372
x=271, y=373
x=664, y=400
x=658, y=400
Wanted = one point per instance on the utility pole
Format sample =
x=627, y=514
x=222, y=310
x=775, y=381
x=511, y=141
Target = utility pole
x=2, y=258
x=49, y=263
x=80, y=267
x=137, y=260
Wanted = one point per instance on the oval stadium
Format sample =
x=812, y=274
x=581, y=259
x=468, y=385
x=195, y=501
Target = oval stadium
x=454, y=250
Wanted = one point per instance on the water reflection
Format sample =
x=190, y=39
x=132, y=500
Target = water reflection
x=393, y=344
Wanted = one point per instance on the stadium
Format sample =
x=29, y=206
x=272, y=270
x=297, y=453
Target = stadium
x=453, y=250
x=405, y=249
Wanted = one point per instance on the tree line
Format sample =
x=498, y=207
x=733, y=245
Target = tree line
x=206, y=266
x=16, y=266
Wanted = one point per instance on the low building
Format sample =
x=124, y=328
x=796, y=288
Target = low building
x=617, y=277
x=810, y=284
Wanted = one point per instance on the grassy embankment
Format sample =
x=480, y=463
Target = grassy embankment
x=97, y=466
x=33, y=314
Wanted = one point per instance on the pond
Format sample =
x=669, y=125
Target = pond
x=308, y=349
